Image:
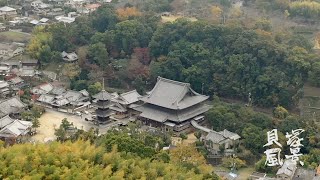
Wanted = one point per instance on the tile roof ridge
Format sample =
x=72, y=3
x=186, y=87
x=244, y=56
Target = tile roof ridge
x=129, y=92
x=172, y=81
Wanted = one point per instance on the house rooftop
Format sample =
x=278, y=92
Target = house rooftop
x=11, y=105
x=3, y=84
x=7, y=9
x=128, y=97
x=15, y=129
x=173, y=95
x=288, y=168
x=5, y=121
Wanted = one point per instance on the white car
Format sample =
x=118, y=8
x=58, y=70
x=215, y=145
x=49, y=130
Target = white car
x=78, y=113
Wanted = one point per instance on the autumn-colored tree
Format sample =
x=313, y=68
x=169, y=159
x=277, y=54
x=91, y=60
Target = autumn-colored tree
x=143, y=55
x=128, y=12
x=216, y=12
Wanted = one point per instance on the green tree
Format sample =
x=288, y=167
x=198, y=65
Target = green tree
x=35, y=123
x=314, y=74
x=95, y=88
x=254, y=138
x=104, y=18
x=98, y=54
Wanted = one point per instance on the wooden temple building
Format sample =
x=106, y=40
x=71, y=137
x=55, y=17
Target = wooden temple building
x=171, y=106
x=123, y=102
x=103, y=104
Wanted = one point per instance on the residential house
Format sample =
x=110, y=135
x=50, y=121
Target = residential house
x=6, y=120
x=92, y=7
x=225, y=141
x=105, y=1
x=12, y=106
x=16, y=132
x=57, y=91
x=27, y=72
x=287, y=170
x=69, y=57
x=3, y=27
x=4, y=69
x=55, y=12
x=57, y=2
x=49, y=74
x=7, y=12
x=34, y=63
x=122, y=103
x=10, y=50
x=4, y=88
x=10, y=64
x=42, y=89
x=16, y=82
x=64, y=19
x=76, y=3
x=44, y=20
x=36, y=4
x=46, y=99
x=171, y=106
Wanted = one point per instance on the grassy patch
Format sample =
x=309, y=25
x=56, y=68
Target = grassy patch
x=10, y=36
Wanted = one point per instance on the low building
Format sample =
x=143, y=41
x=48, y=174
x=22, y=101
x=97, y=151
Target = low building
x=42, y=89
x=123, y=102
x=287, y=170
x=12, y=106
x=225, y=141
x=171, y=106
x=30, y=63
x=55, y=12
x=16, y=132
x=92, y=7
x=10, y=50
x=4, y=69
x=7, y=12
x=16, y=82
x=4, y=121
x=69, y=57
x=4, y=88
x=64, y=19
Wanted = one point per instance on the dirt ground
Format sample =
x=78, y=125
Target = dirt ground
x=52, y=119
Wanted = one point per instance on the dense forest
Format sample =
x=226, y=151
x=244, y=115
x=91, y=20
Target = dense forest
x=131, y=47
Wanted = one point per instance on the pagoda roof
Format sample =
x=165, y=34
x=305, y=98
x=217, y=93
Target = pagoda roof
x=173, y=95
x=104, y=113
x=103, y=95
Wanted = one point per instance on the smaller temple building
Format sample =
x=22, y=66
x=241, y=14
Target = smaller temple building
x=122, y=104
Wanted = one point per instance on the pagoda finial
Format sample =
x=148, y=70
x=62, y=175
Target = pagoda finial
x=103, y=84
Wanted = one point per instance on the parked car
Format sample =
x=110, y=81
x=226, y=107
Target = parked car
x=78, y=113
